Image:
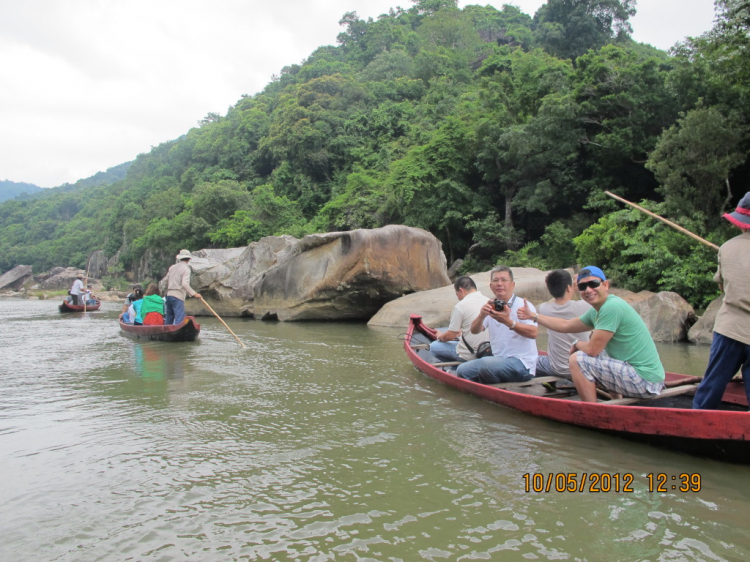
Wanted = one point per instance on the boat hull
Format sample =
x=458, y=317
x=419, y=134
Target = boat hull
x=720, y=434
x=187, y=331
x=67, y=307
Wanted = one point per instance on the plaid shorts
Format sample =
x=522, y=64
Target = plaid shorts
x=616, y=376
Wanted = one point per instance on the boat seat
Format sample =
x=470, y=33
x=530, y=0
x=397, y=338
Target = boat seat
x=446, y=364
x=535, y=380
x=674, y=391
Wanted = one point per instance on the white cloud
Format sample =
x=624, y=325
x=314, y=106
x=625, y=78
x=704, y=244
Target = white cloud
x=89, y=84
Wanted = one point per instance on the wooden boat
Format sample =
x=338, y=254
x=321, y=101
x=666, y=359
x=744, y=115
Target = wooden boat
x=67, y=307
x=668, y=420
x=187, y=331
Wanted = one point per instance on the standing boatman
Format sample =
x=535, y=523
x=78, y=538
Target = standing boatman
x=77, y=289
x=730, y=348
x=178, y=285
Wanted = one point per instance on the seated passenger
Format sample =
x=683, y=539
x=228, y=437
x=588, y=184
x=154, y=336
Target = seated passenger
x=555, y=363
x=152, y=309
x=620, y=355
x=448, y=346
x=128, y=312
x=89, y=297
x=514, y=352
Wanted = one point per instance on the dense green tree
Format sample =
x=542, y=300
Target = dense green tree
x=569, y=28
x=693, y=161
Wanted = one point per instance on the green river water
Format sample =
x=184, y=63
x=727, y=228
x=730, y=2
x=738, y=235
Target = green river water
x=319, y=442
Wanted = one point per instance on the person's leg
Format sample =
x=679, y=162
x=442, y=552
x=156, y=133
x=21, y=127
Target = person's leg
x=543, y=367
x=491, y=370
x=179, y=310
x=445, y=350
x=586, y=388
x=169, y=310
x=724, y=361
x=617, y=377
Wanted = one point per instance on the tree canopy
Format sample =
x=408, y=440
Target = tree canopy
x=494, y=130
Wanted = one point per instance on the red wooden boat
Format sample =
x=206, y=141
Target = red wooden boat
x=668, y=421
x=187, y=331
x=67, y=307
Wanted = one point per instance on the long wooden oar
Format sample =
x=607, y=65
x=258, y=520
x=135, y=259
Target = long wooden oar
x=208, y=306
x=665, y=221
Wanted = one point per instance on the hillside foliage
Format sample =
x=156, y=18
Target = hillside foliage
x=494, y=130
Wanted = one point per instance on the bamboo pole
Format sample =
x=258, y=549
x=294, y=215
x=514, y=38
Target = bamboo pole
x=208, y=306
x=665, y=221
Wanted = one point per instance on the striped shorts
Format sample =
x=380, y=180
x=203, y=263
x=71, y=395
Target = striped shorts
x=616, y=376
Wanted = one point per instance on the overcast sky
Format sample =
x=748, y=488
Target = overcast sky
x=89, y=84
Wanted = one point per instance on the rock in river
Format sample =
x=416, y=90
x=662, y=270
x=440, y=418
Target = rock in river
x=331, y=276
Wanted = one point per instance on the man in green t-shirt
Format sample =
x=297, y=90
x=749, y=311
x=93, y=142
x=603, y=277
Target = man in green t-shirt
x=620, y=355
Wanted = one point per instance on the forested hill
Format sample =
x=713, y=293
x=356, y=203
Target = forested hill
x=10, y=189
x=495, y=130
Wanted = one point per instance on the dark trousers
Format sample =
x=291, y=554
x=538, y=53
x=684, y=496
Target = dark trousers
x=726, y=357
x=175, y=311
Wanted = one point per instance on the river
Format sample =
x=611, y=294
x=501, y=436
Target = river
x=319, y=442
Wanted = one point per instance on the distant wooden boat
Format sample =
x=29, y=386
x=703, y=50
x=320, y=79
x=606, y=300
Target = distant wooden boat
x=187, y=331
x=67, y=307
x=667, y=421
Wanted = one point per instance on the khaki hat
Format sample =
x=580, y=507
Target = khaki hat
x=184, y=255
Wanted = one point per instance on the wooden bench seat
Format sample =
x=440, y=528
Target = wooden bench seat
x=667, y=392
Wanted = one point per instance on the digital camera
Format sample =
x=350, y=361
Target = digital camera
x=499, y=305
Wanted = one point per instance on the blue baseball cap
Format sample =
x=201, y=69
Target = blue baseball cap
x=591, y=271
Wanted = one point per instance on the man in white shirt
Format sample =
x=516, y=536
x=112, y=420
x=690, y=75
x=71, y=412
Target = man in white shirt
x=514, y=352
x=451, y=345
x=77, y=289
x=555, y=363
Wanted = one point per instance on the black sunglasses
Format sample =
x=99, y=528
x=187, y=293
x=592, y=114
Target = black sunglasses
x=594, y=283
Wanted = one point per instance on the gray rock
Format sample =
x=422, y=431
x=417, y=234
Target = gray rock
x=332, y=276
x=350, y=275
x=97, y=264
x=703, y=330
x=453, y=270
x=15, y=278
x=62, y=279
x=666, y=314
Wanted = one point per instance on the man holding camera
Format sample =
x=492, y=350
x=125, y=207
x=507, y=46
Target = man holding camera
x=514, y=352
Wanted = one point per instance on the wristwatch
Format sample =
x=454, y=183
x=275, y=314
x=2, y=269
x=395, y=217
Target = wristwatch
x=574, y=344
x=535, y=317
x=512, y=326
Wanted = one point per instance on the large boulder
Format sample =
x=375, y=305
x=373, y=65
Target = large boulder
x=61, y=280
x=667, y=315
x=350, y=275
x=97, y=264
x=435, y=306
x=703, y=330
x=226, y=277
x=332, y=276
x=14, y=279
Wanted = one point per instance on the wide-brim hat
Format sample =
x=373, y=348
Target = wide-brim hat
x=741, y=216
x=184, y=255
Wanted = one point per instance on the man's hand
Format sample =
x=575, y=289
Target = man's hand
x=502, y=316
x=524, y=312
